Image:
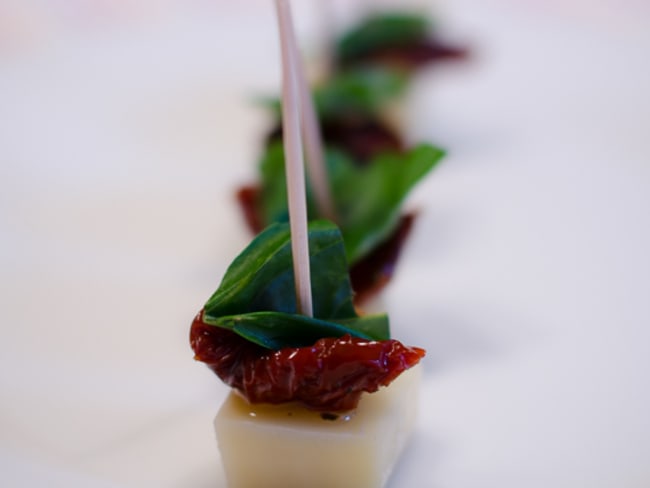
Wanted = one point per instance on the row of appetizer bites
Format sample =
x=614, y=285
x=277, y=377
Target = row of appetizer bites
x=301, y=382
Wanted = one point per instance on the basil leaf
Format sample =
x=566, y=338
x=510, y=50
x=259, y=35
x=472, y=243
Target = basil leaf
x=367, y=198
x=276, y=330
x=375, y=326
x=256, y=298
x=261, y=278
x=381, y=31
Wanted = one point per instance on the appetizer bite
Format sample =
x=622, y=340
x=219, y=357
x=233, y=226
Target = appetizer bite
x=307, y=407
x=367, y=201
x=251, y=334
x=310, y=403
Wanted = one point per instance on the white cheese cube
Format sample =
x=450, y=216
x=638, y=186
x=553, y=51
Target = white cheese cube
x=288, y=446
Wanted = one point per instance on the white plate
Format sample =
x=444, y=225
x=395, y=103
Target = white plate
x=527, y=277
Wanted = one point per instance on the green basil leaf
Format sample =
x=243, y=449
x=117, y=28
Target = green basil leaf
x=381, y=31
x=256, y=298
x=367, y=198
x=276, y=330
x=375, y=326
x=261, y=278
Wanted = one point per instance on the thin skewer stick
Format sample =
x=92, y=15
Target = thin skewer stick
x=313, y=139
x=295, y=168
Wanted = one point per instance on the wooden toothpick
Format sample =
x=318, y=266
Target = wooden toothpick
x=294, y=162
x=313, y=140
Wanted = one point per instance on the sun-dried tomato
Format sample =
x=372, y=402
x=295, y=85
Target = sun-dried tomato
x=328, y=376
x=248, y=198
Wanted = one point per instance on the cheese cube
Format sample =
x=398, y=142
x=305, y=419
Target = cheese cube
x=288, y=446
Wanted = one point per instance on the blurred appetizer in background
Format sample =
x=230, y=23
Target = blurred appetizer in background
x=398, y=40
x=307, y=371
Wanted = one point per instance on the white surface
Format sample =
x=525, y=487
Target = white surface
x=527, y=278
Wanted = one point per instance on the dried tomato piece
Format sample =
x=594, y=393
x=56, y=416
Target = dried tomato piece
x=328, y=376
x=248, y=198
